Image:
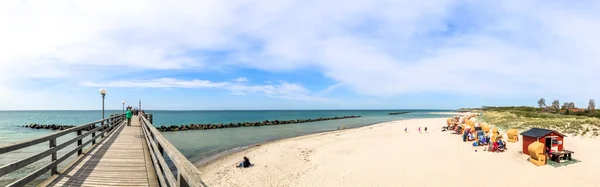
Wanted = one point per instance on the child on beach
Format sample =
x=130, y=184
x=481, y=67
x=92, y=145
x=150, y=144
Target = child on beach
x=405, y=129
x=425, y=129
x=419, y=129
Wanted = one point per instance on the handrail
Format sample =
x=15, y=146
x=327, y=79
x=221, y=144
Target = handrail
x=106, y=126
x=187, y=173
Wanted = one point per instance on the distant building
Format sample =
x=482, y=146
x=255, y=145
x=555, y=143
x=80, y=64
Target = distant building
x=573, y=110
x=577, y=109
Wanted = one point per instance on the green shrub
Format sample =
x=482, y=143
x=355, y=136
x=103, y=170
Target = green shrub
x=585, y=131
x=524, y=120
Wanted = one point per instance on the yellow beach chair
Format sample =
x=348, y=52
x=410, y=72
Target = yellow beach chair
x=536, y=153
x=513, y=135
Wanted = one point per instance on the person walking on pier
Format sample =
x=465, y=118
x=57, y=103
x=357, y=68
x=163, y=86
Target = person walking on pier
x=128, y=115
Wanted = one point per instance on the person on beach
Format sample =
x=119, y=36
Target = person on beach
x=128, y=115
x=246, y=163
x=419, y=129
x=425, y=129
x=405, y=129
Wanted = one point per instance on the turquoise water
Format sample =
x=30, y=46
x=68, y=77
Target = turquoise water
x=196, y=145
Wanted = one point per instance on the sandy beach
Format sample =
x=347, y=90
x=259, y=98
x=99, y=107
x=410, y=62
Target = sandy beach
x=384, y=155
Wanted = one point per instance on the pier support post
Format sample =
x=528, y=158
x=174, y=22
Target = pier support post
x=102, y=130
x=160, y=149
x=79, y=143
x=94, y=134
x=54, y=169
x=181, y=181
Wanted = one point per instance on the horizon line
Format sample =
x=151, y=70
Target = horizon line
x=216, y=109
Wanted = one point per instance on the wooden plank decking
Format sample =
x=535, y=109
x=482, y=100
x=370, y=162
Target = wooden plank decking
x=119, y=160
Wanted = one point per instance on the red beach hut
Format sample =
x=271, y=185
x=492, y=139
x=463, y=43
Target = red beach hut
x=550, y=138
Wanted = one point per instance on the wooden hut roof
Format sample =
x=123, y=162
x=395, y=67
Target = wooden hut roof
x=539, y=132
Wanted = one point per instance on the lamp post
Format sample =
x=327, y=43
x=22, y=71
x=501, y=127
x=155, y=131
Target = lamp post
x=103, y=93
x=123, y=106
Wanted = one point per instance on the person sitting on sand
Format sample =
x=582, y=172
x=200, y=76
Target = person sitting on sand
x=495, y=147
x=246, y=163
x=484, y=140
x=470, y=135
x=425, y=129
x=501, y=144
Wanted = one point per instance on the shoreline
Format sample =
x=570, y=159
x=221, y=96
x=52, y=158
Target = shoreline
x=224, y=154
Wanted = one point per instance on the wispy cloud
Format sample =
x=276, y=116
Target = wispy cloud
x=241, y=79
x=331, y=88
x=159, y=83
x=283, y=90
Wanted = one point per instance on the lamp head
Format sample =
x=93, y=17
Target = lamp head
x=102, y=91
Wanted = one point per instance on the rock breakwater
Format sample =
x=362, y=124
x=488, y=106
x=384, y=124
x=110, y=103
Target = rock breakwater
x=245, y=124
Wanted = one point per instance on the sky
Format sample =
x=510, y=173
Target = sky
x=297, y=54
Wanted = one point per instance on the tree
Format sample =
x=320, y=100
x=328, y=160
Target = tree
x=592, y=106
x=542, y=103
x=568, y=105
x=556, y=105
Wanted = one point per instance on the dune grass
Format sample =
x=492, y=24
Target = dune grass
x=524, y=120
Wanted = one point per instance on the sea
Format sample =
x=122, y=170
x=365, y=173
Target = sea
x=198, y=146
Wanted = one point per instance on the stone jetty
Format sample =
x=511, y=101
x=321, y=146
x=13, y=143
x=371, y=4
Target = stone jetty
x=204, y=126
x=244, y=124
x=52, y=126
x=396, y=113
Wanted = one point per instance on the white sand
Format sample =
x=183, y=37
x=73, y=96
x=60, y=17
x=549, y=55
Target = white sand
x=383, y=155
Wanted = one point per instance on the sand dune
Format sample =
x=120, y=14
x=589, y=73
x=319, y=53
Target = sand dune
x=384, y=155
x=452, y=113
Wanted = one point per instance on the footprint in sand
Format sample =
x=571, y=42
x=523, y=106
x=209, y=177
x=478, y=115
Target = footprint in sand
x=306, y=154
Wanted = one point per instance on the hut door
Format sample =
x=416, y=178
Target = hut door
x=548, y=142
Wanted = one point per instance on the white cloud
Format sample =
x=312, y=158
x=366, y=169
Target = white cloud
x=283, y=90
x=331, y=88
x=376, y=48
x=241, y=79
x=159, y=83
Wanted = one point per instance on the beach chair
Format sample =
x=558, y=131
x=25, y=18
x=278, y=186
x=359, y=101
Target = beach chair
x=485, y=128
x=513, y=135
x=495, y=135
x=536, y=153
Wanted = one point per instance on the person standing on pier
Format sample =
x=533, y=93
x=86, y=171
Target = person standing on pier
x=128, y=115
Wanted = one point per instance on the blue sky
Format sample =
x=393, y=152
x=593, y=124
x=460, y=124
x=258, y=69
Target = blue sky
x=291, y=54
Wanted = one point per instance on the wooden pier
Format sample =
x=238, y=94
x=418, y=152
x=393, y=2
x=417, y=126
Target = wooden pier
x=120, y=155
x=120, y=158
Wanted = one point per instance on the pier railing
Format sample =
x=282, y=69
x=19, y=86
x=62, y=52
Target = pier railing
x=187, y=173
x=97, y=129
